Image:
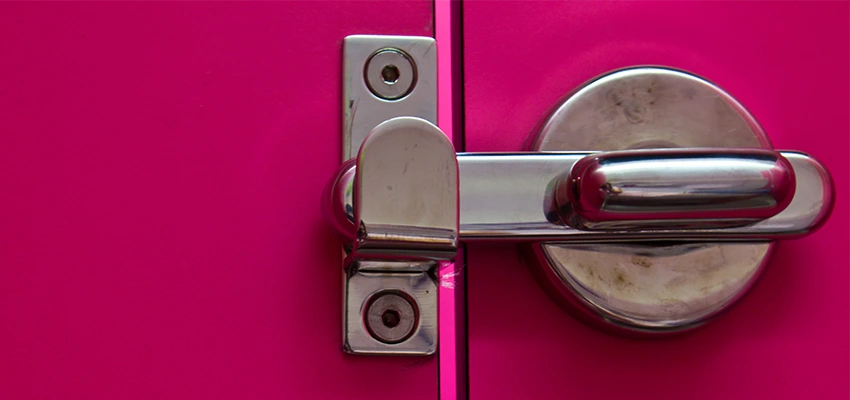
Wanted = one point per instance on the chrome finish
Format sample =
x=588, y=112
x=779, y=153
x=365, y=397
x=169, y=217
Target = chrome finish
x=406, y=228
x=390, y=74
x=648, y=108
x=406, y=188
x=674, y=189
x=341, y=191
x=508, y=197
x=362, y=285
x=406, y=210
x=391, y=316
x=365, y=109
x=646, y=288
x=654, y=288
x=647, y=205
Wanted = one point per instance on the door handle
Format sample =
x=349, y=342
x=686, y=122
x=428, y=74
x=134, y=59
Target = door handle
x=710, y=194
x=647, y=203
x=673, y=189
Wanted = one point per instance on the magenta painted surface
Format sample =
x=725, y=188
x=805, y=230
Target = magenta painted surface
x=788, y=63
x=449, y=293
x=160, y=230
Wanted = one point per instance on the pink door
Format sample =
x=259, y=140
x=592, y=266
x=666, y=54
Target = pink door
x=161, y=167
x=787, y=62
x=160, y=230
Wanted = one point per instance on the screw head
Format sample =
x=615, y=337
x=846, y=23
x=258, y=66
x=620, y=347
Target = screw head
x=390, y=74
x=391, y=316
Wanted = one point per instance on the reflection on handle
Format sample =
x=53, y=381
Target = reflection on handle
x=674, y=189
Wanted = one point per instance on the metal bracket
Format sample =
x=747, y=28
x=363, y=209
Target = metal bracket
x=386, y=77
x=406, y=189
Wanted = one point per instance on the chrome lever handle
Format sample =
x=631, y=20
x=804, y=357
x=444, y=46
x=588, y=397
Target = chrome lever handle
x=674, y=189
x=512, y=197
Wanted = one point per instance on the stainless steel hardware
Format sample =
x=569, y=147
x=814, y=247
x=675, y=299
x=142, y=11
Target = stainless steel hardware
x=406, y=213
x=665, y=283
x=647, y=203
x=669, y=189
x=390, y=74
x=406, y=61
x=511, y=197
x=404, y=195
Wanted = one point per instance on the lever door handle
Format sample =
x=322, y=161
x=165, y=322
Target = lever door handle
x=674, y=189
x=700, y=194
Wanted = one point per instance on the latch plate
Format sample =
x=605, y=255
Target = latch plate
x=368, y=60
x=406, y=191
x=363, y=287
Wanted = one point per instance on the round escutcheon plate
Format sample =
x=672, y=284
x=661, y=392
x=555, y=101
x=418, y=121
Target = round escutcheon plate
x=648, y=288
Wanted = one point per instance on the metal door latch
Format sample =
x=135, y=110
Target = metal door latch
x=404, y=196
x=648, y=202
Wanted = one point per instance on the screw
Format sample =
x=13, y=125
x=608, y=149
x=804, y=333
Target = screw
x=390, y=74
x=391, y=316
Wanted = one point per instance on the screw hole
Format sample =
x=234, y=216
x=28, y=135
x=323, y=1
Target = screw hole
x=391, y=318
x=390, y=74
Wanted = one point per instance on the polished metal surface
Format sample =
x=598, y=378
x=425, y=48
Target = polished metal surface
x=362, y=285
x=648, y=205
x=648, y=108
x=508, y=197
x=403, y=224
x=406, y=190
x=390, y=74
x=674, y=189
x=405, y=208
x=363, y=110
x=651, y=108
x=391, y=316
x=340, y=190
x=650, y=288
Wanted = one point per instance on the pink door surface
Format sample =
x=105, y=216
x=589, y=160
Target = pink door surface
x=787, y=62
x=161, y=236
